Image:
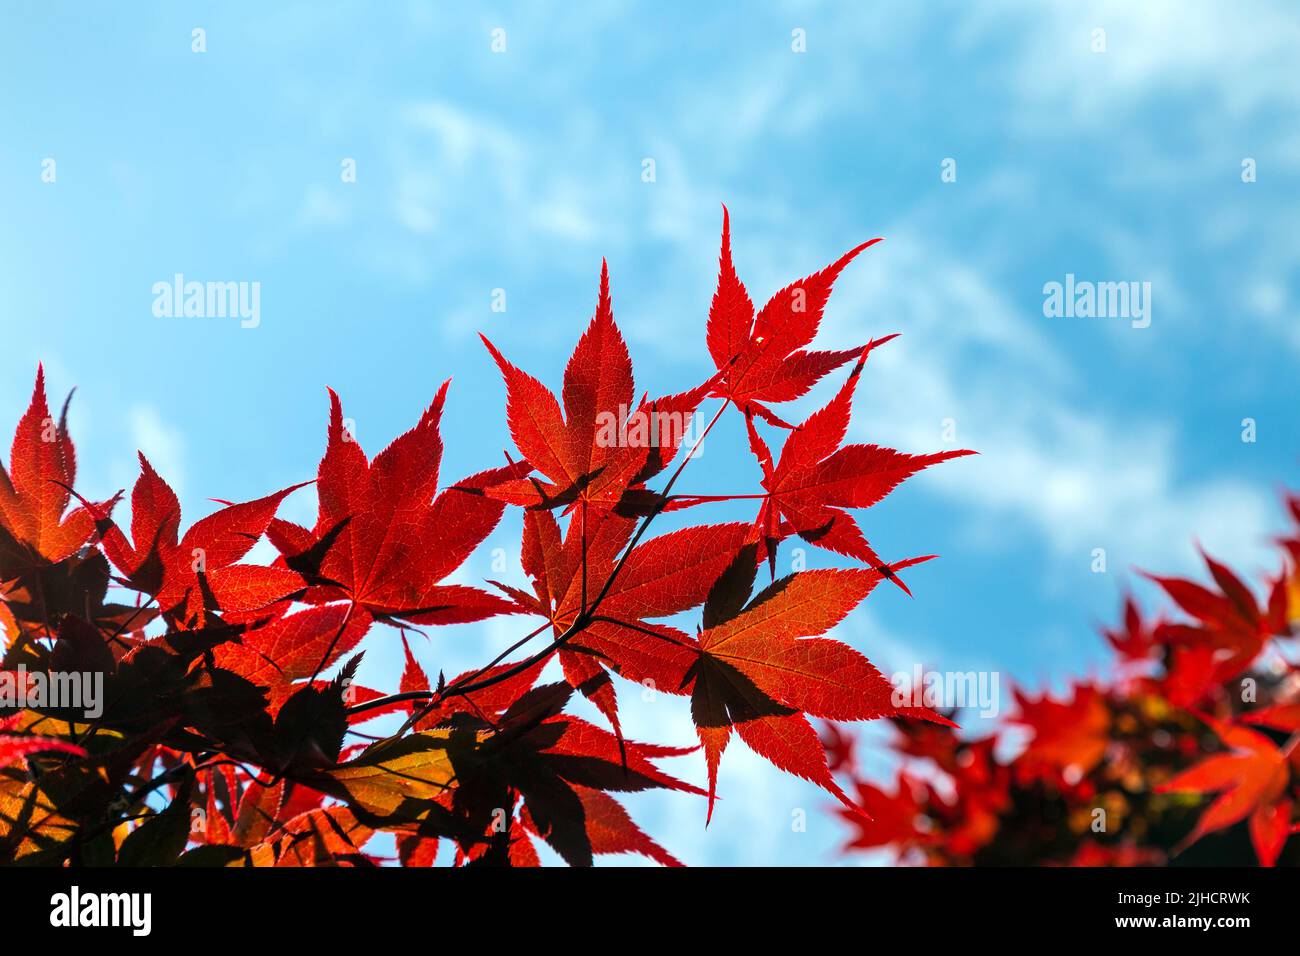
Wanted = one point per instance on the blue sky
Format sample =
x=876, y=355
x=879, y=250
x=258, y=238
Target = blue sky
x=518, y=170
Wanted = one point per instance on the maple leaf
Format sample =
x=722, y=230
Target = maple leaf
x=890, y=818
x=324, y=836
x=1135, y=640
x=968, y=820
x=815, y=480
x=294, y=647
x=40, y=598
x=197, y=573
x=34, y=491
x=599, y=447
x=764, y=668
x=1230, y=632
x=32, y=828
x=161, y=838
x=384, y=537
x=1069, y=736
x=1250, y=782
x=762, y=358
x=609, y=830
x=1283, y=717
x=257, y=808
x=273, y=824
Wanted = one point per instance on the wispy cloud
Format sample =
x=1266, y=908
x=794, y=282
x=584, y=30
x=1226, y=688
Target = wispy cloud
x=162, y=443
x=1052, y=461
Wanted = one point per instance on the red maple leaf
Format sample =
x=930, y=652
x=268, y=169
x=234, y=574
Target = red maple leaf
x=385, y=536
x=196, y=573
x=295, y=647
x=1070, y=736
x=36, y=527
x=892, y=818
x=599, y=447
x=762, y=358
x=762, y=668
x=815, y=480
x=611, y=830
x=1230, y=630
x=555, y=763
x=1251, y=782
x=1135, y=640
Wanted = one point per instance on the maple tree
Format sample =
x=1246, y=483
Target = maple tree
x=231, y=723
x=1189, y=754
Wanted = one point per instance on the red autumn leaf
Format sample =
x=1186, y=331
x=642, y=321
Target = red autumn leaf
x=554, y=761
x=762, y=358
x=599, y=446
x=385, y=537
x=277, y=825
x=1283, y=717
x=763, y=671
x=890, y=817
x=195, y=573
x=34, y=492
x=611, y=830
x=1091, y=784
x=1249, y=781
x=1269, y=827
x=1069, y=736
x=1135, y=641
x=1230, y=630
x=815, y=480
x=325, y=836
x=294, y=647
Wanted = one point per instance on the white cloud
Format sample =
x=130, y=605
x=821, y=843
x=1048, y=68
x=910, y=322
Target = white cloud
x=160, y=442
x=1237, y=56
x=444, y=146
x=1077, y=477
